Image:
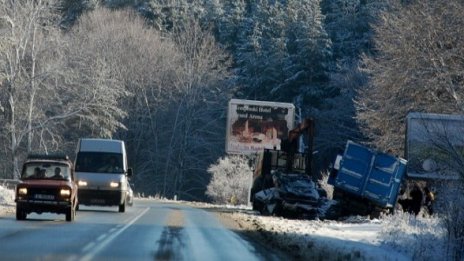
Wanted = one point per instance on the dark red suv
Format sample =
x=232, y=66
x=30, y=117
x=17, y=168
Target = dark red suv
x=47, y=185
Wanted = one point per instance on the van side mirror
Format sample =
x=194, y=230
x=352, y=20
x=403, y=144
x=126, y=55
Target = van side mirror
x=129, y=172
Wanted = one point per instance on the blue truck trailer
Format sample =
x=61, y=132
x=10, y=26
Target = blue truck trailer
x=366, y=181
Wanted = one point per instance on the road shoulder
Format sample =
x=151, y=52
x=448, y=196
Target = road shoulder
x=252, y=232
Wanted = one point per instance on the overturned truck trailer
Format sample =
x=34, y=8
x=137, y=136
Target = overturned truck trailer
x=366, y=181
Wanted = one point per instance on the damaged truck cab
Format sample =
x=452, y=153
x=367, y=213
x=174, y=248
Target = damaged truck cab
x=282, y=180
x=276, y=191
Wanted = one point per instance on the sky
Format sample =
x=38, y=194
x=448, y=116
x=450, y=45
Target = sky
x=397, y=237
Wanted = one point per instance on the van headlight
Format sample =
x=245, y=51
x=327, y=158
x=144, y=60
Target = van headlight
x=82, y=183
x=114, y=184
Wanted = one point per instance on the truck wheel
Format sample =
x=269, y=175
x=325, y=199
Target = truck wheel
x=20, y=214
x=280, y=211
x=122, y=207
x=70, y=214
x=322, y=193
x=376, y=213
x=334, y=212
x=255, y=206
x=263, y=210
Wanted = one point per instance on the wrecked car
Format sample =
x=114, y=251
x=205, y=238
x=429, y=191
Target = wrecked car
x=293, y=195
x=282, y=180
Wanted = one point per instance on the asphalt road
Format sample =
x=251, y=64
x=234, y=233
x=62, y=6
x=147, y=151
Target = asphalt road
x=147, y=231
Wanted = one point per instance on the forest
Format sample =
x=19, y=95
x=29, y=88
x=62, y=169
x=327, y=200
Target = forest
x=158, y=74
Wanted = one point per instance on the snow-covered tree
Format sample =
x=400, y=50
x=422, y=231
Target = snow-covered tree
x=229, y=18
x=194, y=122
x=43, y=91
x=348, y=23
x=231, y=179
x=72, y=9
x=142, y=66
x=309, y=53
x=174, y=112
x=283, y=53
x=28, y=63
x=417, y=65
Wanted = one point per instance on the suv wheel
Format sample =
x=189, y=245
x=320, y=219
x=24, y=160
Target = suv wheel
x=70, y=214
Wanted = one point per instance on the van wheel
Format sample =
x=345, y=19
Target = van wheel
x=122, y=207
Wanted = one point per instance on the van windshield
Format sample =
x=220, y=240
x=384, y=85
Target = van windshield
x=100, y=162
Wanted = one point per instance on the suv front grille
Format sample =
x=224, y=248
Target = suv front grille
x=42, y=193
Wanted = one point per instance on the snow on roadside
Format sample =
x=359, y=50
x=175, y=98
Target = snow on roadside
x=394, y=237
x=421, y=238
x=324, y=240
x=6, y=200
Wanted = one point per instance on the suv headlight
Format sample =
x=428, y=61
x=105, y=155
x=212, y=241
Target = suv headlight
x=82, y=183
x=22, y=191
x=65, y=192
x=114, y=184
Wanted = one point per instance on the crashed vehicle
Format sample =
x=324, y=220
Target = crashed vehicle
x=366, y=181
x=293, y=195
x=283, y=184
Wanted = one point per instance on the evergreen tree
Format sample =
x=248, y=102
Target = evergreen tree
x=309, y=55
x=261, y=52
x=283, y=52
x=348, y=25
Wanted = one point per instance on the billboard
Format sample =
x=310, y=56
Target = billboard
x=255, y=125
x=434, y=145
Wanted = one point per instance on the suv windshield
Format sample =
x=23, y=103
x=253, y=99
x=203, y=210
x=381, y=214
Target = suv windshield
x=99, y=162
x=41, y=170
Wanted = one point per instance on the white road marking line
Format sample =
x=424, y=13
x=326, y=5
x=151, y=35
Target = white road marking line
x=100, y=238
x=111, y=237
x=88, y=246
x=72, y=258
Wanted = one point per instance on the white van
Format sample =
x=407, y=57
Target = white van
x=102, y=173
